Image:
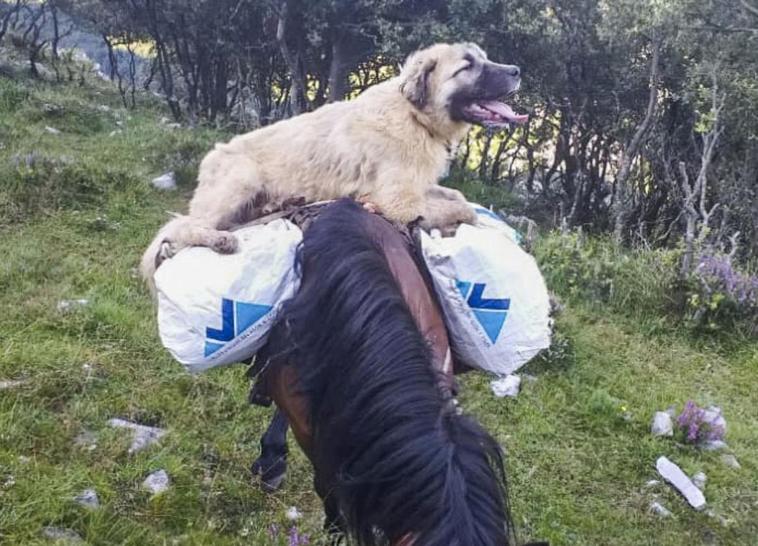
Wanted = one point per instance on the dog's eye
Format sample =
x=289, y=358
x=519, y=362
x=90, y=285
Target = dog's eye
x=468, y=66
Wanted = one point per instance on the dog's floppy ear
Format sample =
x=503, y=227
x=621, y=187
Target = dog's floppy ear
x=415, y=76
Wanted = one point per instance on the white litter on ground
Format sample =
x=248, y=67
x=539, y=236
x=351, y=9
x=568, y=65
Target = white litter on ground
x=699, y=480
x=507, y=386
x=88, y=499
x=166, y=181
x=65, y=306
x=676, y=477
x=144, y=436
x=293, y=514
x=660, y=510
x=157, y=482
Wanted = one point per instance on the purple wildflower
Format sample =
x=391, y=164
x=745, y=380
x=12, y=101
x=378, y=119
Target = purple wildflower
x=296, y=539
x=716, y=274
x=701, y=425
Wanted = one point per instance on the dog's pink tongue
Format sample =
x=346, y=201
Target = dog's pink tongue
x=504, y=111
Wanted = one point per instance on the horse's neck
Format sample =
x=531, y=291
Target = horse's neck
x=418, y=294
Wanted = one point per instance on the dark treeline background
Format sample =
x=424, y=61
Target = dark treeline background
x=644, y=112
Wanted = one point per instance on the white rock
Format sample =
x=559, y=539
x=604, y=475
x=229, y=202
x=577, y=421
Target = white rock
x=52, y=130
x=64, y=306
x=59, y=533
x=144, y=436
x=658, y=509
x=676, y=477
x=662, y=424
x=86, y=439
x=714, y=416
x=731, y=461
x=293, y=514
x=88, y=499
x=714, y=445
x=166, y=181
x=699, y=480
x=10, y=384
x=157, y=482
x=506, y=386
x=652, y=483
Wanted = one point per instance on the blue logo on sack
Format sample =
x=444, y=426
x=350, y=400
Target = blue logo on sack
x=236, y=317
x=490, y=313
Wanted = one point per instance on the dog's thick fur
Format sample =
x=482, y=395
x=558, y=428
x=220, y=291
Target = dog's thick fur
x=389, y=146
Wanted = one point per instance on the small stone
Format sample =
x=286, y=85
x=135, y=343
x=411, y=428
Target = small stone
x=293, y=514
x=157, y=482
x=676, y=477
x=714, y=417
x=731, y=461
x=166, y=181
x=714, y=445
x=23, y=459
x=658, y=509
x=64, y=306
x=506, y=386
x=88, y=499
x=144, y=436
x=699, y=480
x=652, y=483
x=59, y=533
x=662, y=424
x=115, y=132
x=52, y=130
x=721, y=519
x=86, y=439
x=103, y=107
x=10, y=384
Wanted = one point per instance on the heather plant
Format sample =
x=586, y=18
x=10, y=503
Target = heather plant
x=699, y=425
x=722, y=296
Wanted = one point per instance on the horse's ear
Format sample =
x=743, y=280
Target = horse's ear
x=415, y=78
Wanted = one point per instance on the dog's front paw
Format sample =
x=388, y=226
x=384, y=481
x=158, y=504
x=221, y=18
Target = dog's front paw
x=467, y=215
x=167, y=250
x=225, y=243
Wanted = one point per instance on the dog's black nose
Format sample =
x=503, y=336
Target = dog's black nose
x=514, y=71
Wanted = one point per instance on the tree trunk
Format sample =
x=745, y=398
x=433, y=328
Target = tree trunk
x=621, y=199
x=338, y=71
x=297, y=92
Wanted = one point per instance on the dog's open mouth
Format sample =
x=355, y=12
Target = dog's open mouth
x=492, y=113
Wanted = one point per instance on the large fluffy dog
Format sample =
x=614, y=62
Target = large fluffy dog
x=389, y=146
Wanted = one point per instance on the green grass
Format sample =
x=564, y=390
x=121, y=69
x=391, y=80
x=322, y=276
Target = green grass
x=74, y=222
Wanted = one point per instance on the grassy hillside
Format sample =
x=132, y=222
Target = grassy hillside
x=76, y=209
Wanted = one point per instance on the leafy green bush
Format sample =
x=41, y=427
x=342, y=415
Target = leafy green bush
x=646, y=282
x=594, y=269
x=70, y=117
x=33, y=182
x=12, y=95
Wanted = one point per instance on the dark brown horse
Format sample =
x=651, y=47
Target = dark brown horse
x=359, y=365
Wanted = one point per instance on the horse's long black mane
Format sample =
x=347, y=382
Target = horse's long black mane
x=395, y=454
